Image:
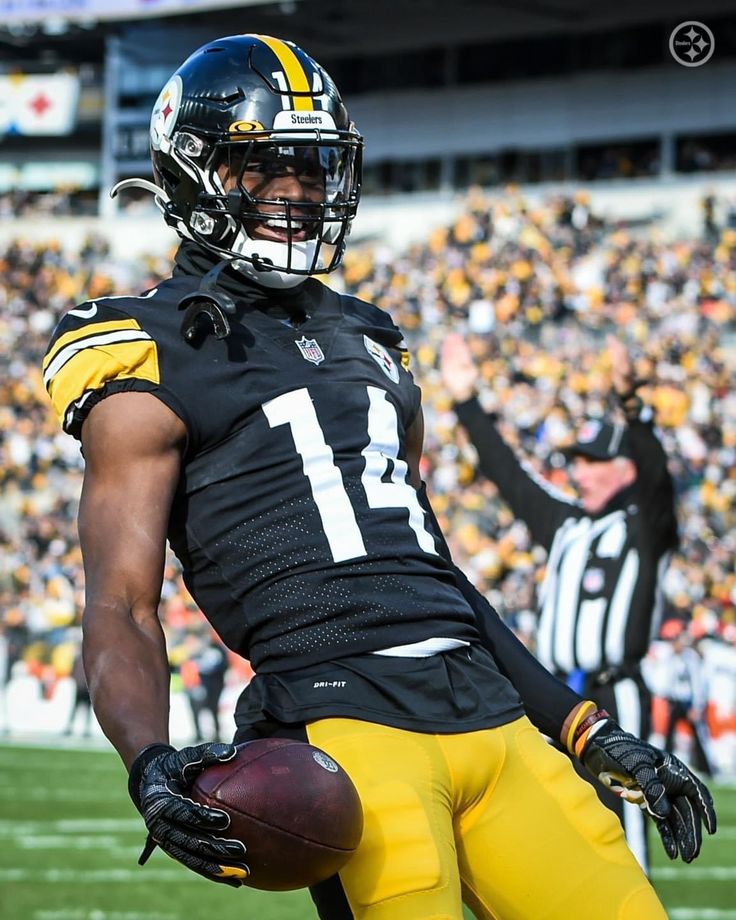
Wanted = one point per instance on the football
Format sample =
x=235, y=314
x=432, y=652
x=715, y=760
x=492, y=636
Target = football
x=293, y=806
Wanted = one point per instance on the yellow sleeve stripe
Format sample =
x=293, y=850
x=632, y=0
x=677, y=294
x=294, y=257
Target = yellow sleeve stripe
x=83, y=332
x=92, y=341
x=91, y=368
x=294, y=72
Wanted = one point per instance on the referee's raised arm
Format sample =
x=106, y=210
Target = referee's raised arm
x=532, y=499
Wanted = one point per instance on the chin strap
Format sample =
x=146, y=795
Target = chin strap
x=206, y=309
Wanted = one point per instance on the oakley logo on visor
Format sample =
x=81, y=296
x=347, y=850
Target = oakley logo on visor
x=245, y=127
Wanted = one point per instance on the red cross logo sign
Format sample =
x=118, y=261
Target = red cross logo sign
x=40, y=103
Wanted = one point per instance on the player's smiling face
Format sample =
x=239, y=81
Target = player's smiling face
x=292, y=175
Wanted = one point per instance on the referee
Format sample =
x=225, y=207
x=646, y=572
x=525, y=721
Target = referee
x=599, y=602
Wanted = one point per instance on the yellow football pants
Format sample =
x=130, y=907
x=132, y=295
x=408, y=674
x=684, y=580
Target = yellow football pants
x=496, y=818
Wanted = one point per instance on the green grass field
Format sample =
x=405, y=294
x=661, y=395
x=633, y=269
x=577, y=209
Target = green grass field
x=70, y=838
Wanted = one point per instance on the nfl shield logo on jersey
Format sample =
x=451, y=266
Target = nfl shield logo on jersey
x=310, y=350
x=593, y=581
x=382, y=358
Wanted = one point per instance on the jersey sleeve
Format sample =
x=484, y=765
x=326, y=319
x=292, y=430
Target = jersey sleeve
x=96, y=350
x=381, y=327
x=395, y=339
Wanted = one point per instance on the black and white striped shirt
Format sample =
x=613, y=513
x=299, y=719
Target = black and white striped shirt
x=594, y=583
x=600, y=600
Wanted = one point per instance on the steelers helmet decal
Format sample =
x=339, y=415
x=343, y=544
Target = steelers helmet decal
x=164, y=113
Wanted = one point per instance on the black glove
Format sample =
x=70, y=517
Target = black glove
x=186, y=831
x=656, y=781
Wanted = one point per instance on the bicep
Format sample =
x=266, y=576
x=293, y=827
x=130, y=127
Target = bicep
x=132, y=446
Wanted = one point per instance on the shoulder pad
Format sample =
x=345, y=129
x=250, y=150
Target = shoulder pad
x=94, y=344
x=377, y=324
x=367, y=312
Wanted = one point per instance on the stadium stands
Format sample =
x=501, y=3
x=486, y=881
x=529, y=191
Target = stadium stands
x=538, y=286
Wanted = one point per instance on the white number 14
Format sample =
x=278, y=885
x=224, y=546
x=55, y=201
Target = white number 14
x=339, y=523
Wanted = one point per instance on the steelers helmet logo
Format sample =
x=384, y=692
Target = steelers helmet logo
x=165, y=111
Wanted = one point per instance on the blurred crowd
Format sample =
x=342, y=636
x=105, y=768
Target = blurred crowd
x=61, y=202
x=536, y=289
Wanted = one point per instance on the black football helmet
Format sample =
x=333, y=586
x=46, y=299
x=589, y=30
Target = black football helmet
x=250, y=107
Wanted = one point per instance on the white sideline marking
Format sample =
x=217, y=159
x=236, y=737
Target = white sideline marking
x=61, y=842
x=719, y=873
x=97, y=914
x=18, y=743
x=95, y=876
x=71, y=826
x=701, y=913
x=55, y=795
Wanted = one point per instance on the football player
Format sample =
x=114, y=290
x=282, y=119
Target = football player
x=271, y=429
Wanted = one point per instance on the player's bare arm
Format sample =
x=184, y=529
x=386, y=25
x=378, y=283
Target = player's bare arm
x=132, y=445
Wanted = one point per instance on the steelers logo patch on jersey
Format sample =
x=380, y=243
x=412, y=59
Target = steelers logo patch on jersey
x=382, y=358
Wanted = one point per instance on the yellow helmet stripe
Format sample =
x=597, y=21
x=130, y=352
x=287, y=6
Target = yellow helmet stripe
x=296, y=76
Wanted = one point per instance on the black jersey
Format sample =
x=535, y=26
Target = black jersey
x=299, y=534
